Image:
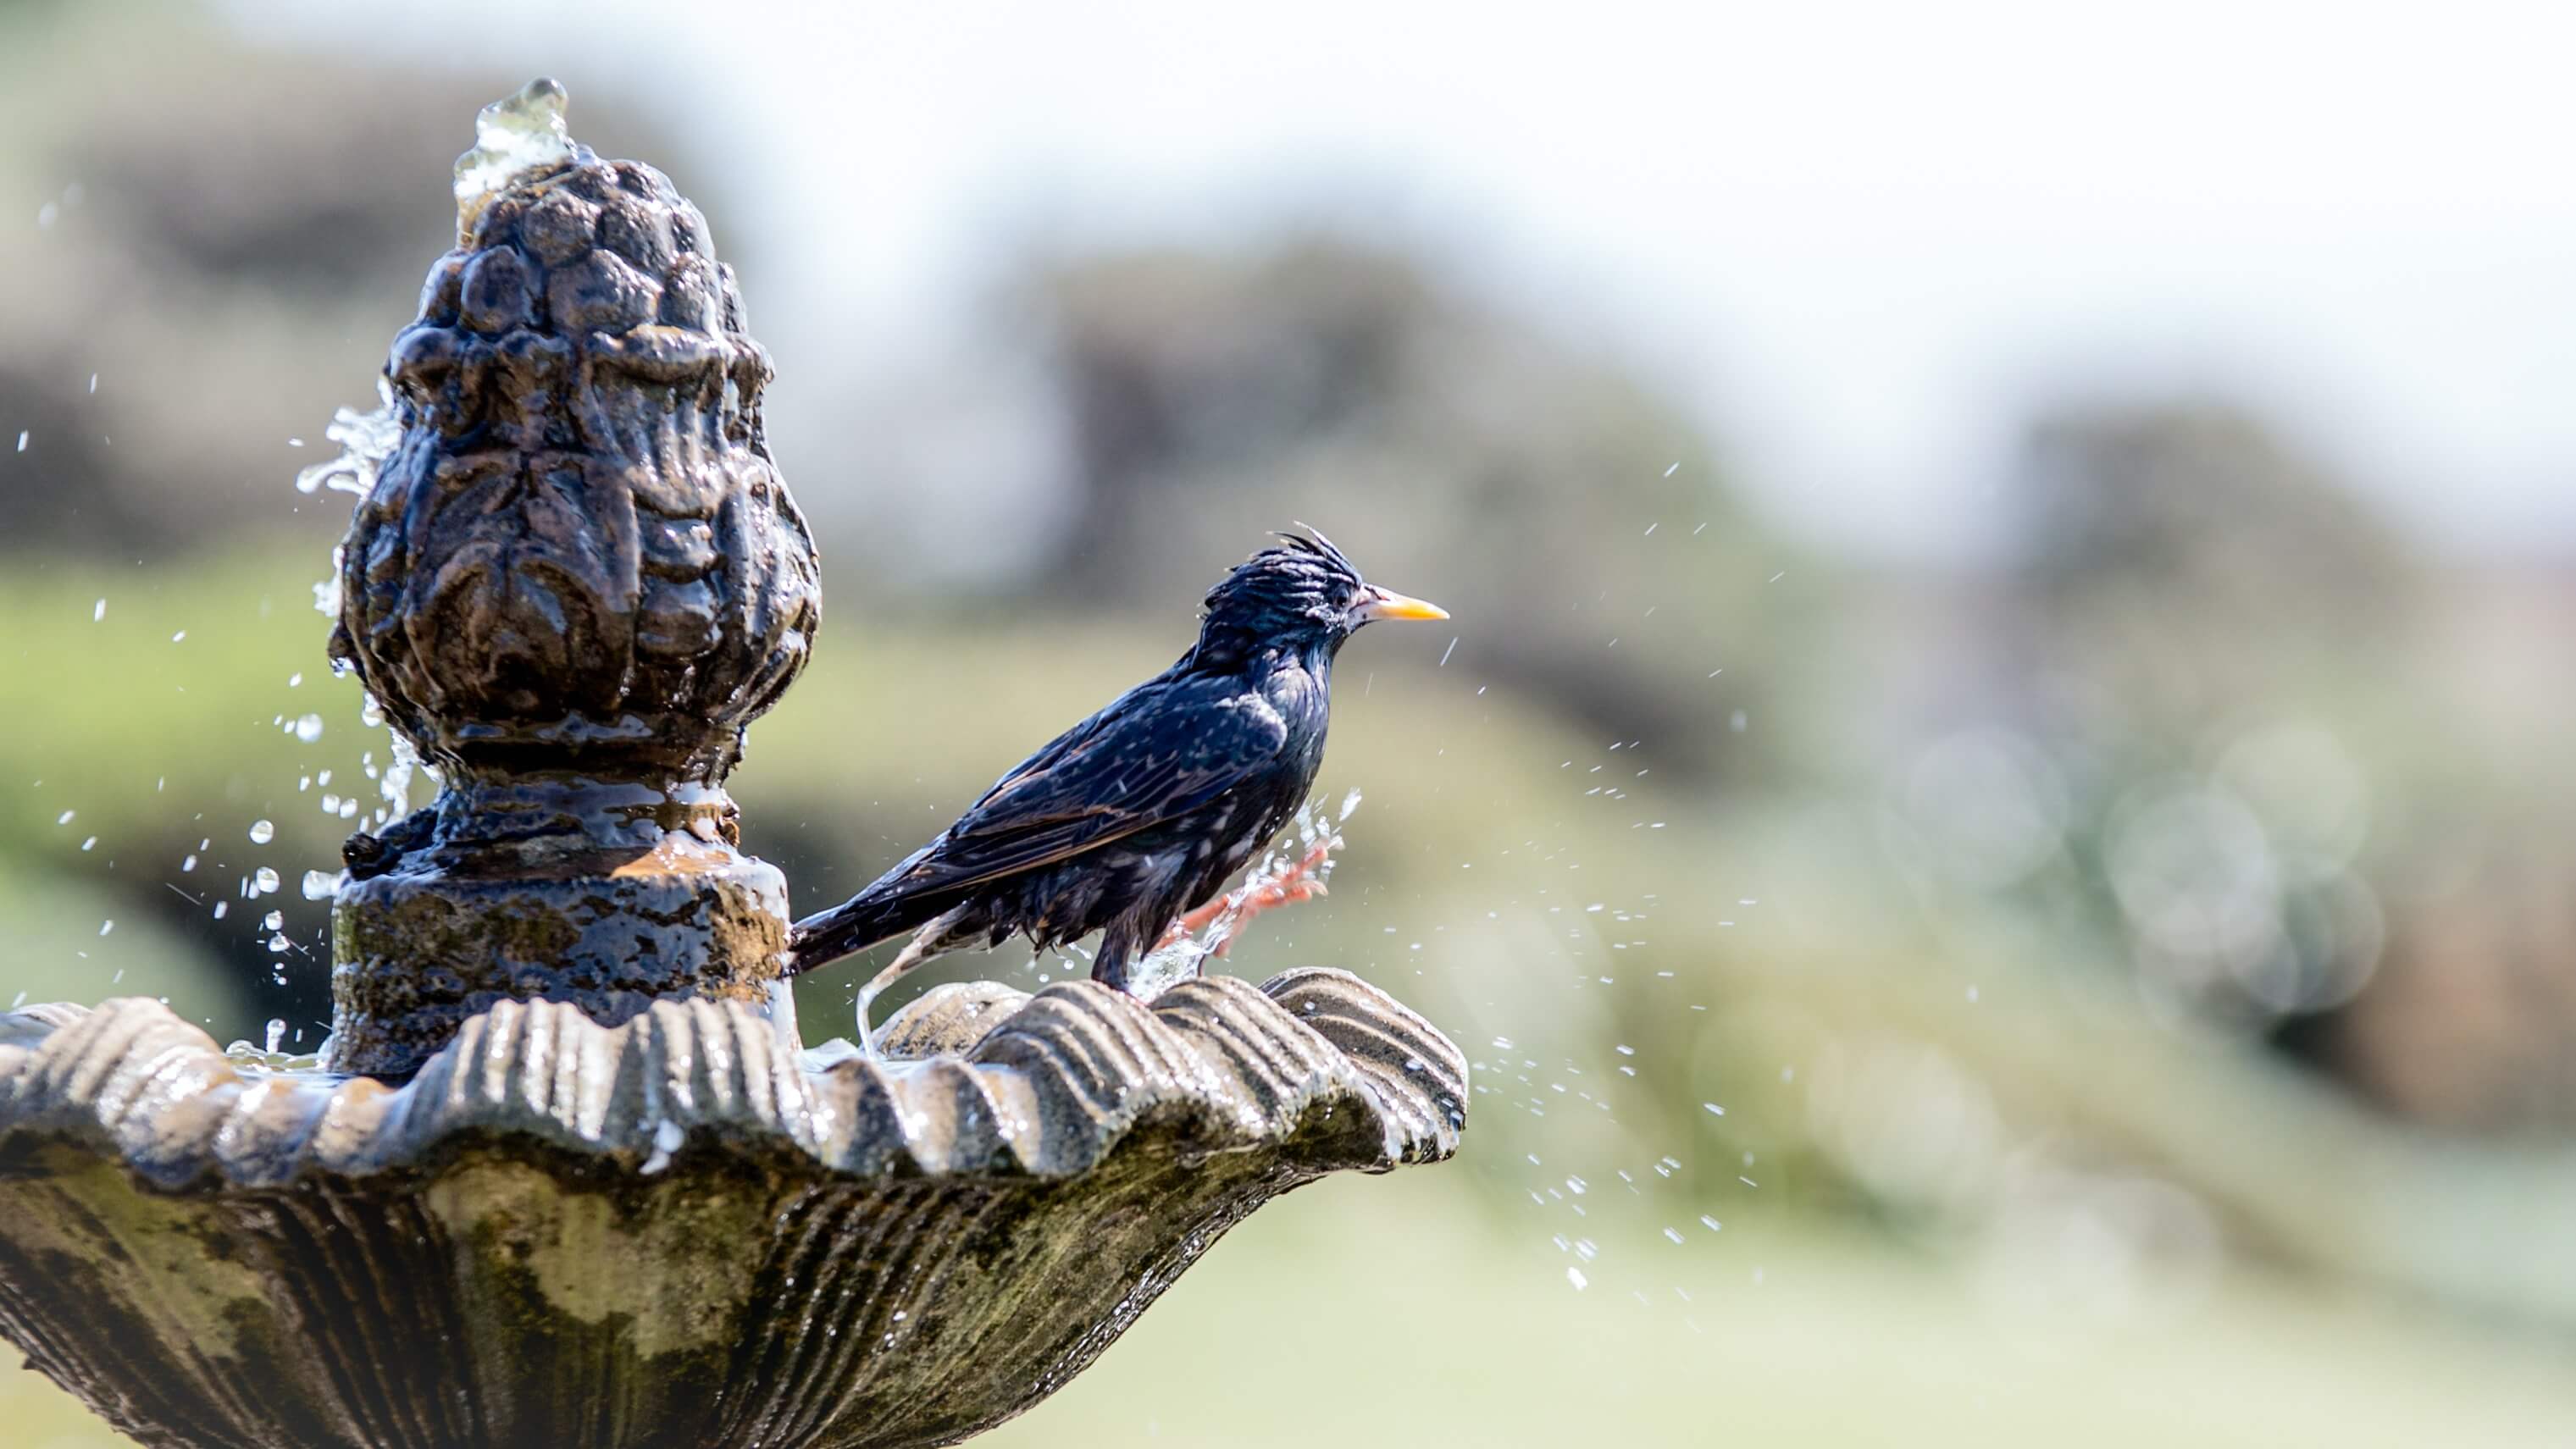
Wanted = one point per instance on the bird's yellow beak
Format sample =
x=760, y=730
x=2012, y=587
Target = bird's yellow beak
x=1388, y=604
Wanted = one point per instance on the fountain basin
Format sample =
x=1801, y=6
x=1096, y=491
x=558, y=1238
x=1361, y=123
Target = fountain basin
x=676, y=1231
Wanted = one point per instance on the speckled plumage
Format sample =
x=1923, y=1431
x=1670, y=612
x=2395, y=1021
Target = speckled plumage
x=1143, y=811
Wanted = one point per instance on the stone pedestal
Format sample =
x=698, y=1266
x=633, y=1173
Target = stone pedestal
x=571, y=583
x=610, y=918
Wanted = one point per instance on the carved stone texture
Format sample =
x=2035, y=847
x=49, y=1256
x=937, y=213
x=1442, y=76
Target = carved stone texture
x=670, y=1232
x=572, y=584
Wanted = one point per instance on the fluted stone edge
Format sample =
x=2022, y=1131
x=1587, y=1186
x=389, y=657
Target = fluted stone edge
x=1049, y=1091
x=674, y=1233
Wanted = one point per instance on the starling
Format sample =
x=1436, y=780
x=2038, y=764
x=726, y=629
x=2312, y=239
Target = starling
x=1141, y=812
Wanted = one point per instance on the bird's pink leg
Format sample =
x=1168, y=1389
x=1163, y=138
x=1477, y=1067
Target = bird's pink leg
x=1296, y=883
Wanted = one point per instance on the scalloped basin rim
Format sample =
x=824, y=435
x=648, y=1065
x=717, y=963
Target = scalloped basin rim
x=671, y=1231
x=1313, y=1062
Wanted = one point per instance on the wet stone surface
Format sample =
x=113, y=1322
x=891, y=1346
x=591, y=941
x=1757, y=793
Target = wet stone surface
x=573, y=581
x=672, y=1232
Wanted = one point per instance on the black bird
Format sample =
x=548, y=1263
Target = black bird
x=1142, y=811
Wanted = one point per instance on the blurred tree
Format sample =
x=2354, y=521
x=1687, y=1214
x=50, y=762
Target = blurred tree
x=2184, y=558
x=1215, y=396
x=2226, y=656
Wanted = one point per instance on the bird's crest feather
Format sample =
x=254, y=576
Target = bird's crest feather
x=1313, y=541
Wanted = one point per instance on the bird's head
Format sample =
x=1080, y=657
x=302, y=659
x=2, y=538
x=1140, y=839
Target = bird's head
x=1300, y=591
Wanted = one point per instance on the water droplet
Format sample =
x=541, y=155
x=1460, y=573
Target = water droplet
x=667, y=1138
x=309, y=728
x=98, y=612
x=262, y=831
x=106, y=926
x=319, y=884
x=1575, y=1277
x=263, y=881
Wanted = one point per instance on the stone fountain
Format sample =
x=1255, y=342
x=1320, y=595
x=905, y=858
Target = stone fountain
x=564, y=1174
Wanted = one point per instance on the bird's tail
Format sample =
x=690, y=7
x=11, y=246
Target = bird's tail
x=880, y=912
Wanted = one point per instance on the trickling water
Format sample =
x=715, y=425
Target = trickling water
x=366, y=440
x=524, y=132
x=1279, y=876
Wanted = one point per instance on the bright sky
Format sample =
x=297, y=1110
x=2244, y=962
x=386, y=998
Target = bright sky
x=1863, y=240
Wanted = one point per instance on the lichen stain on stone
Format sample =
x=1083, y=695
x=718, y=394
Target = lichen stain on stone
x=132, y=1243
x=672, y=1265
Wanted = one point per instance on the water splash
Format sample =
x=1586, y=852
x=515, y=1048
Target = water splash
x=395, y=784
x=1281, y=876
x=366, y=440
x=512, y=136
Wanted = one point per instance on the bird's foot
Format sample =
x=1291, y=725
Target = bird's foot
x=910, y=957
x=867, y=1034
x=1301, y=880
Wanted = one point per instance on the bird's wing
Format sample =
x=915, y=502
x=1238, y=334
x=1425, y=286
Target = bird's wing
x=1162, y=751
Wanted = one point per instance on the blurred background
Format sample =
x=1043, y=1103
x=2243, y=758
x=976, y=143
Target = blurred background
x=1994, y=813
